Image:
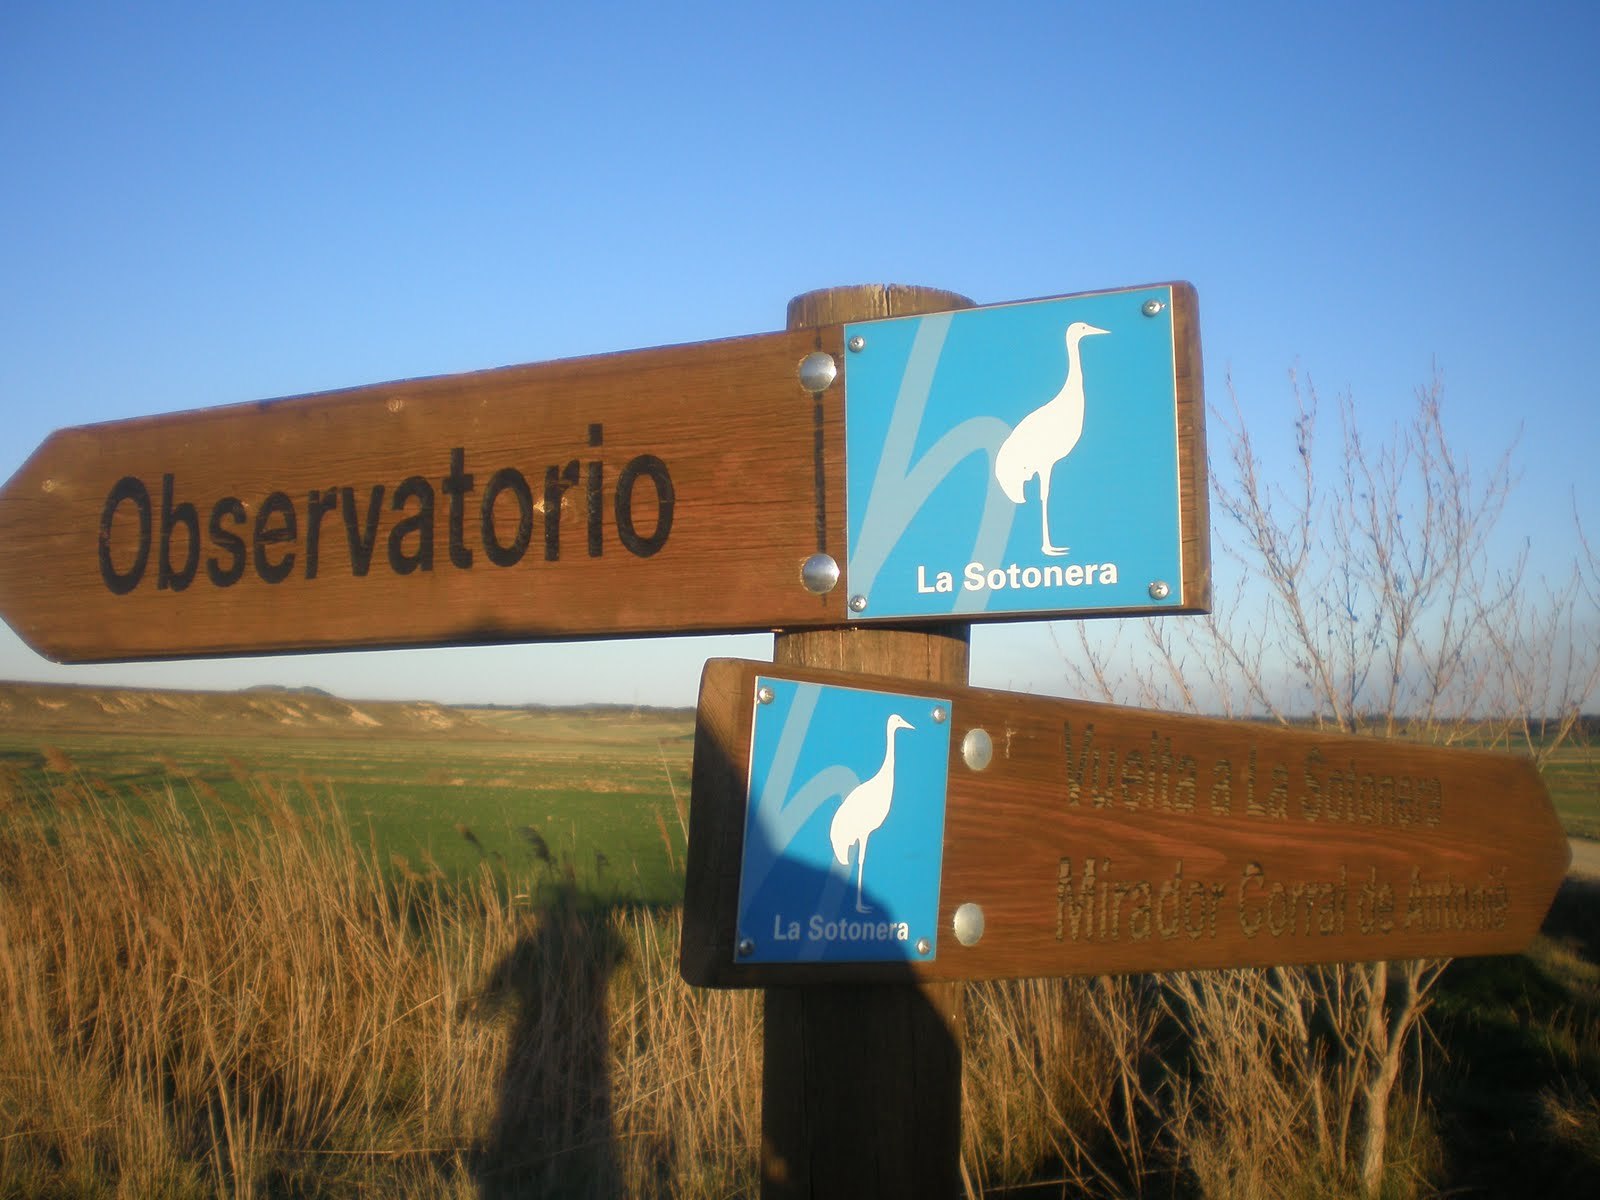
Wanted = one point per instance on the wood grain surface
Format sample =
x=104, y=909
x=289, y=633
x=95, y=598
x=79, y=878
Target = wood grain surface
x=1194, y=494
x=1105, y=840
x=861, y=1083
x=301, y=505
x=673, y=490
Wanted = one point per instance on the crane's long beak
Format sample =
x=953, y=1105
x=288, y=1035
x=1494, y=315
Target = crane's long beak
x=1094, y=329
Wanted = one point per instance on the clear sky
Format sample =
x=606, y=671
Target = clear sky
x=211, y=203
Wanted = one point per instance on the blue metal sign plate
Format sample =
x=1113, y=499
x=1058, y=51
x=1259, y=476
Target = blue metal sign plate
x=1015, y=459
x=844, y=825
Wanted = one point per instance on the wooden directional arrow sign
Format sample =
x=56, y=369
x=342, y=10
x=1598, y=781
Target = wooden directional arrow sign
x=1017, y=461
x=852, y=827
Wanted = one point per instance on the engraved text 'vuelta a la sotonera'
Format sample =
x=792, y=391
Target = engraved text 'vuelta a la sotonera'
x=1096, y=839
x=1098, y=901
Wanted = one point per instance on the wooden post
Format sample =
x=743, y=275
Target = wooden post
x=861, y=1085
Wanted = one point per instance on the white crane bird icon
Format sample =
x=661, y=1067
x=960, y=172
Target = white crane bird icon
x=1046, y=436
x=866, y=808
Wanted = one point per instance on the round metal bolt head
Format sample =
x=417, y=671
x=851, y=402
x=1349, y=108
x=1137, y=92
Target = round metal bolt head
x=968, y=924
x=747, y=947
x=820, y=574
x=924, y=945
x=1152, y=308
x=939, y=716
x=1159, y=590
x=977, y=749
x=817, y=371
x=765, y=695
x=858, y=603
x=857, y=344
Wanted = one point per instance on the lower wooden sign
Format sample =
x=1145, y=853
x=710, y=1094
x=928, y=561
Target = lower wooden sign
x=1081, y=838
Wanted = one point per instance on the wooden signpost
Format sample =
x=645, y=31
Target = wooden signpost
x=670, y=490
x=861, y=1085
x=1089, y=839
x=894, y=467
x=688, y=489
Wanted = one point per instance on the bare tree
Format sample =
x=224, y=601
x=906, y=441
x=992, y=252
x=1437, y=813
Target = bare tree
x=1366, y=597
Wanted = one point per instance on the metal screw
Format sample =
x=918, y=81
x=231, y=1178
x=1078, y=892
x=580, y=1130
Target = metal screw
x=939, y=716
x=820, y=574
x=977, y=749
x=857, y=344
x=747, y=947
x=968, y=924
x=858, y=603
x=1152, y=308
x=923, y=945
x=765, y=695
x=1159, y=590
x=817, y=371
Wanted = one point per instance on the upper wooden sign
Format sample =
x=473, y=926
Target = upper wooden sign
x=670, y=490
x=1081, y=838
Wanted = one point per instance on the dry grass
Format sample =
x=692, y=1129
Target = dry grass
x=1235, y=1085
x=1053, y=1084
x=252, y=1005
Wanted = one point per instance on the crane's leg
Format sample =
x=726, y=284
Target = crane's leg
x=1044, y=515
x=861, y=869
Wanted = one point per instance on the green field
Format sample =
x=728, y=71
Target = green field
x=1573, y=777
x=597, y=795
x=280, y=1010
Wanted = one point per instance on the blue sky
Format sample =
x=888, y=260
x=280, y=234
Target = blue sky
x=206, y=204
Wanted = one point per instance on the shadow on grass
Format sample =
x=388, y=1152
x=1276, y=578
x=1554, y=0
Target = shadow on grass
x=1575, y=917
x=1518, y=1093
x=553, y=1132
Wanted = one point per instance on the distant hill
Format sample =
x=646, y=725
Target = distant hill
x=256, y=711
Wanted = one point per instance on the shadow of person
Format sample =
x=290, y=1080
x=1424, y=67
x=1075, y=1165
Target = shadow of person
x=1574, y=916
x=552, y=1134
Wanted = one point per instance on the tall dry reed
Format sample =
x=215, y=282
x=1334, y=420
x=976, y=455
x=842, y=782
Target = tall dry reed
x=198, y=1002
x=193, y=1005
